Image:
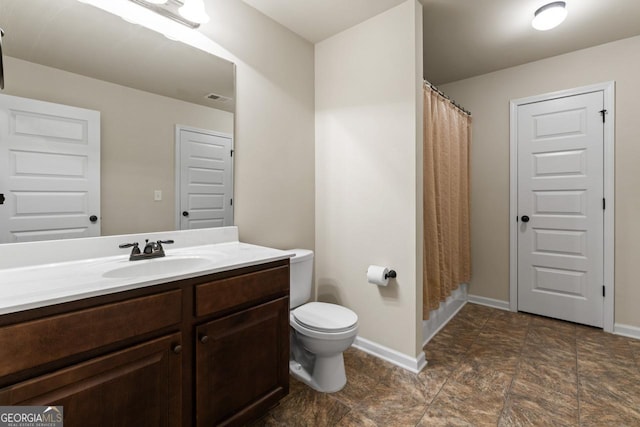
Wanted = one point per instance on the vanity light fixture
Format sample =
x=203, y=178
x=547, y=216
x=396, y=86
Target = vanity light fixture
x=162, y=18
x=175, y=10
x=549, y=16
x=194, y=10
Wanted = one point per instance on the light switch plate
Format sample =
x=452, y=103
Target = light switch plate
x=157, y=195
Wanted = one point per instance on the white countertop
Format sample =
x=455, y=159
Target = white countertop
x=33, y=286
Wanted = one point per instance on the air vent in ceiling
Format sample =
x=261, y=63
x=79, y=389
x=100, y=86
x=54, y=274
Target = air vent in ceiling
x=219, y=98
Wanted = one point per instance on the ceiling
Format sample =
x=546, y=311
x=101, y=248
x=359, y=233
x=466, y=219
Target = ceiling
x=63, y=34
x=464, y=38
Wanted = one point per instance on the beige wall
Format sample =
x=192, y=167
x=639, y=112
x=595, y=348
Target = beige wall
x=367, y=81
x=488, y=97
x=274, y=175
x=137, y=140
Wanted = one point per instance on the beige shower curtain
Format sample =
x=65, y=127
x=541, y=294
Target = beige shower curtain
x=447, y=251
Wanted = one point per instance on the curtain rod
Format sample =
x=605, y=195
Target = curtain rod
x=439, y=92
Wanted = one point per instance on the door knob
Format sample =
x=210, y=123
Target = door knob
x=93, y=218
x=185, y=213
x=204, y=339
x=177, y=348
x=525, y=218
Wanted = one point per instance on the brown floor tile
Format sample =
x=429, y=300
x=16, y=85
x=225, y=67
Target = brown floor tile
x=547, y=377
x=504, y=359
x=462, y=404
x=597, y=410
x=357, y=360
x=359, y=387
x=432, y=379
x=526, y=410
x=392, y=406
x=486, y=367
x=554, y=357
x=309, y=408
x=621, y=390
x=551, y=338
x=508, y=321
x=482, y=378
x=511, y=340
x=355, y=419
x=565, y=328
x=604, y=370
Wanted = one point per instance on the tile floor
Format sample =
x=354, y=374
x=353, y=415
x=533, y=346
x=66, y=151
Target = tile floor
x=487, y=367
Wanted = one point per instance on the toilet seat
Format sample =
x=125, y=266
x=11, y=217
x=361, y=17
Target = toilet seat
x=325, y=317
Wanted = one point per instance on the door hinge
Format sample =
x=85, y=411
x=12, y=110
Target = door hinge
x=1, y=199
x=603, y=290
x=231, y=202
x=604, y=203
x=231, y=153
x=603, y=113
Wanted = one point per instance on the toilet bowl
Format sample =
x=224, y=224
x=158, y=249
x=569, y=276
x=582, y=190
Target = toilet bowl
x=320, y=332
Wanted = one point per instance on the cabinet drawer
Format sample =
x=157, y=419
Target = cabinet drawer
x=29, y=344
x=235, y=291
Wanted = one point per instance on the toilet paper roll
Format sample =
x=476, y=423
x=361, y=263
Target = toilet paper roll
x=378, y=275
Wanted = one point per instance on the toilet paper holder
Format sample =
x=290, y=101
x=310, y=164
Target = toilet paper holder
x=390, y=275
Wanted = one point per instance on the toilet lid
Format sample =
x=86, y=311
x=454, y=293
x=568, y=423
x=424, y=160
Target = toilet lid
x=324, y=317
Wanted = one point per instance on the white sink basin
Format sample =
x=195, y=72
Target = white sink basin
x=158, y=266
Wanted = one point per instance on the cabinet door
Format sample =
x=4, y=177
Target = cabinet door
x=138, y=386
x=242, y=364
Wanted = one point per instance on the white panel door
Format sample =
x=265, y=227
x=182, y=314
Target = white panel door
x=205, y=179
x=49, y=171
x=560, y=207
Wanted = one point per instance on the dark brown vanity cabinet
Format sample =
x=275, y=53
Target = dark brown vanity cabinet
x=246, y=355
x=211, y=350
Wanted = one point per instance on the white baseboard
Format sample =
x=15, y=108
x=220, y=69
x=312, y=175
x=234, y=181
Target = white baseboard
x=442, y=315
x=626, y=330
x=413, y=364
x=490, y=302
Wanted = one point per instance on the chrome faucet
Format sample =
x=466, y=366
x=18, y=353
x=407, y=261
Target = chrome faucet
x=151, y=249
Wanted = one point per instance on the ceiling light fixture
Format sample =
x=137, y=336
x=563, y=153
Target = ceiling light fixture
x=549, y=16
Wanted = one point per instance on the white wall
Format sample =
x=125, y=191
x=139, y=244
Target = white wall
x=274, y=158
x=368, y=79
x=488, y=96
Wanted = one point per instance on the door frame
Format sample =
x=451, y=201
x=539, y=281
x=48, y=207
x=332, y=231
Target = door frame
x=178, y=160
x=608, y=89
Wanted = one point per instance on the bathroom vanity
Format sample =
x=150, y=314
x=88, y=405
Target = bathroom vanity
x=205, y=344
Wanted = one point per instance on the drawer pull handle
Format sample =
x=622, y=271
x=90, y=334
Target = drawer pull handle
x=177, y=348
x=204, y=339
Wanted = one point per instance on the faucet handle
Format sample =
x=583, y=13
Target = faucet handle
x=165, y=241
x=135, y=251
x=128, y=245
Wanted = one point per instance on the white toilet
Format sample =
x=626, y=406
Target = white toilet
x=320, y=332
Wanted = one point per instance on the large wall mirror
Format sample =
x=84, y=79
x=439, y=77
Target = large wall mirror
x=145, y=87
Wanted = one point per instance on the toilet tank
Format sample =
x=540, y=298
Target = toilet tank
x=301, y=273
